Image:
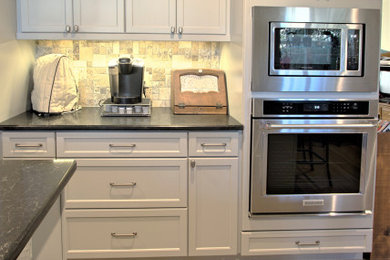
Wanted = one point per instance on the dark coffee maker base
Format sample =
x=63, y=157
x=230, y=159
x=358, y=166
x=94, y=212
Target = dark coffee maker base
x=126, y=100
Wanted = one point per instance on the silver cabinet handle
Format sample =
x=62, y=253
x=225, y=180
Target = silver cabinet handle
x=205, y=145
x=134, y=234
x=298, y=243
x=173, y=29
x=130, y=184
x=180, y=30
x=122, y=146
x=28, y=145
x=68, y=29
x=75, y=28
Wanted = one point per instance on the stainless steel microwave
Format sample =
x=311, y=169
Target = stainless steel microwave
x=315, y=49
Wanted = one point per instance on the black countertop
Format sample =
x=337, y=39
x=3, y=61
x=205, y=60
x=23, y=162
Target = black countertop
x=28, y=189
x=89, y=118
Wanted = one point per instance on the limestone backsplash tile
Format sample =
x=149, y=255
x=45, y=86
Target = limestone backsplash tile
x=90, y=61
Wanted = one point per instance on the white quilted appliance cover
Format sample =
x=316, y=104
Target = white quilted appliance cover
x=55, y=89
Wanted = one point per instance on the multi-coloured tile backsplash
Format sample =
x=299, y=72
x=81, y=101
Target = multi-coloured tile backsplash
x=90, y=59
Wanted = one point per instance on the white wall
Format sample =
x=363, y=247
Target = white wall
x=232, y=61
x=16, y=59
x=385, y=43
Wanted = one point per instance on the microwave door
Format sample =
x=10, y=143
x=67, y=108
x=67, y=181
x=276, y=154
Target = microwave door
x=313, y=49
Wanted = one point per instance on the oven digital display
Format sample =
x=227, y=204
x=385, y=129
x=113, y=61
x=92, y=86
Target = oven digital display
x=290, y=107
x=309, y=107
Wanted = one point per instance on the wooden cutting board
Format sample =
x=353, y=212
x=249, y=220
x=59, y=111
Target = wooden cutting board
x=199, y=91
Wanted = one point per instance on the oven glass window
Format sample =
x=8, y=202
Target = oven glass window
x=313, y=163
x=307, y=49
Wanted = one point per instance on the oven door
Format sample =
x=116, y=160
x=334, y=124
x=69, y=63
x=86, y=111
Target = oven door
x=312, y=166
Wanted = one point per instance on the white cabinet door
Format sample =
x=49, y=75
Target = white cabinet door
x=128, y=183
x=212, y=204
x=201, y=16
x=306, y=242
x=45, y=16
x=46, y=240
x=150, y=16
x=98, y=16
x=124, y=233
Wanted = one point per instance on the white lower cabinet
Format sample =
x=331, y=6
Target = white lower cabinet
x=138, y=193
x=306, y=242
x=124, y=233
x=212, y=206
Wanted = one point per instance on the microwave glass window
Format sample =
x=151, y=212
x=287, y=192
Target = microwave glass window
x=307, y=49
x=353, y=49
x=313, y=163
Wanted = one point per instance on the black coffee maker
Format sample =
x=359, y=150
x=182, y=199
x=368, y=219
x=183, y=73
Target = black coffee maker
x=126, y=81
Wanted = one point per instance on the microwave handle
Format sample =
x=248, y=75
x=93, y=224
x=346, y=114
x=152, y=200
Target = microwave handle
x=278, y=126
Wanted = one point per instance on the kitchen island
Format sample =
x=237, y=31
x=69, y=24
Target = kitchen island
x=28, y=189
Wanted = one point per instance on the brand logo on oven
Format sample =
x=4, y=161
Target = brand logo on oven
x=311, y=203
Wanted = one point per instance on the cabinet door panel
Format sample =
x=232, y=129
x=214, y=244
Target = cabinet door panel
x=128, y=183
x=118, y=144
x=99, y=15
x=119, y=233
x=150, y=16
x=202, y=16
x=44, y=16
x=213, y=192
x=29, y=144
x=308, y=242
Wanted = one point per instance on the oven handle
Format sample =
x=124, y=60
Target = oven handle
x=278, y=126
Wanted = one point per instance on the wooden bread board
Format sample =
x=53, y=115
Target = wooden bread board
x=189, y=97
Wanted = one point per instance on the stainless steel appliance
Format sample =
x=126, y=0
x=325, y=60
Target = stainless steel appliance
x=315, y=49
x=312, y=156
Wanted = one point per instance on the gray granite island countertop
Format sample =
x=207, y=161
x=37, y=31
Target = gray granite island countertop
x=88, y=118
x=28, y=189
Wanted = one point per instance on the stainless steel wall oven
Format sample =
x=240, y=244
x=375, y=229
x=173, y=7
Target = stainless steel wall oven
x=315, y=49
x=312, y=156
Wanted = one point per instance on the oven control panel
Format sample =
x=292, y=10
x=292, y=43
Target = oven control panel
x=315, y=107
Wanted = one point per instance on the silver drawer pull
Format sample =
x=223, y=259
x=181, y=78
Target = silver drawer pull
x=122, y=146
x=28, y=145
x=205, y=145
x=130, y=184
x=134, y=234
x=298, y=243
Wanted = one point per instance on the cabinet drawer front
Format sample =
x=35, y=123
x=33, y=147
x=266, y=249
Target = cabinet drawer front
x=213, y=144
x=28, y=144
x=122, y=144
x=124, y=233
x=128, y=183
x=306, y=242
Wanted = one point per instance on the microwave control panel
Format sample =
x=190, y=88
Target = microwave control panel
x=287, y=107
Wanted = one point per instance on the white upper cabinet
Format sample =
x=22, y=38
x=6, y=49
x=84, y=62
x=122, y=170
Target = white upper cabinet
x=150, y=16
x=44, y=16
x=199, y=20
x=201, y=16
x=98, y=16
x=67, y=16
x=178, y=17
